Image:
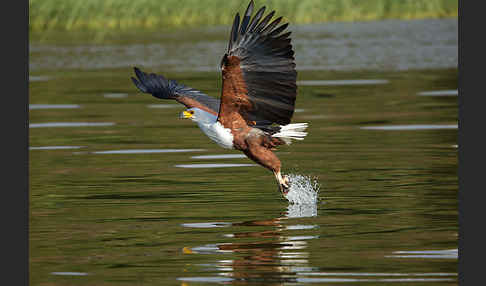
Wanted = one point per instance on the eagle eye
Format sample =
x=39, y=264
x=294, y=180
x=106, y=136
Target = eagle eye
x=224, y=60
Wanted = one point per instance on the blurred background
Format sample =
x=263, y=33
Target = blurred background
x=122, y=192
x=71, y=15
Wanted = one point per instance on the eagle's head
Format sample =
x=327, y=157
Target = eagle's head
x=197, y=115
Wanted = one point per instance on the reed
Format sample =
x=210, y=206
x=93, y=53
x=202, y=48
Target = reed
x=69, y=15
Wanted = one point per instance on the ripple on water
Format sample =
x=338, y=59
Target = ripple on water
x=163, y=105
x=300, y=226
x=147, y=151
x=206, y=224
x=206, y=249
x=54, y=106
x=220, y=156
x=341, y=82
x=452, y=92
x=411, y=127
x=299, y=237
x=54, y=147
x=213, y=165
x=69, y=124
x=69, y=273
x=205, y=279
x=115, y=95
x=448, y=254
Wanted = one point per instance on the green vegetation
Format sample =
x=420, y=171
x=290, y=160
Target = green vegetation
x=71, y=15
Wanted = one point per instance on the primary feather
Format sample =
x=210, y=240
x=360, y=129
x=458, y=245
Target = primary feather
x=267, y=66
x=162, y=88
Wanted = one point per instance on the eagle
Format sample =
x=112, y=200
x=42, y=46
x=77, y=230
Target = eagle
x=258, y=94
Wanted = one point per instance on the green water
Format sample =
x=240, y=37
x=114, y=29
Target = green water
x=136, y=219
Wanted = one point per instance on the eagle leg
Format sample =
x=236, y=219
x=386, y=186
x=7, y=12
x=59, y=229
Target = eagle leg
x=266, y=158
x=283, y=182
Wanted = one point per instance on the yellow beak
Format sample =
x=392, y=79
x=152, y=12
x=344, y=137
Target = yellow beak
x=185, y=114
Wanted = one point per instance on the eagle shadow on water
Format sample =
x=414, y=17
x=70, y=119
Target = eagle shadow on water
x=258, y=95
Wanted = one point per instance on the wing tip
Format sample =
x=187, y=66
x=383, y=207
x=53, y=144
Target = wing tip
x=250, y=7
x=139, y=85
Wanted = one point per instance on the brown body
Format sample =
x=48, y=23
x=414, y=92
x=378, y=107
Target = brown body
x=256, y=144
x=258, y=92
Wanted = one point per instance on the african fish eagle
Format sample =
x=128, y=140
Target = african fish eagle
x=258, y=95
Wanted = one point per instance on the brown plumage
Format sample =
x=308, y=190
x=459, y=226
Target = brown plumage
x=258, y=93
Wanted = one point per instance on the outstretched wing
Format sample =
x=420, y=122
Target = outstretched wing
x=162, y=88
x=259, y=77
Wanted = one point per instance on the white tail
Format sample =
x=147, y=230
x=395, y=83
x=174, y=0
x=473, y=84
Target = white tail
x=291, y=131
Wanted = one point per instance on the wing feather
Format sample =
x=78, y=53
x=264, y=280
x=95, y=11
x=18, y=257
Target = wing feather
x=246, y=18
x=234, y=31
x=264, y=22
x=257, y=18
x=162, y=88
x=271, y=26
x=278, y=30
x=259, y=76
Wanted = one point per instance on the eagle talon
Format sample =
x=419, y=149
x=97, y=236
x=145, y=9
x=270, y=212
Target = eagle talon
x=285, y=186
x=286, y=180
x=284, y=189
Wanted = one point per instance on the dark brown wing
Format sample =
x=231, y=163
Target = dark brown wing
x=163, y=88
x=259, y=77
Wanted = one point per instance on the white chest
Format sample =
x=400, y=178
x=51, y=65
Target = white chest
x=216, y=132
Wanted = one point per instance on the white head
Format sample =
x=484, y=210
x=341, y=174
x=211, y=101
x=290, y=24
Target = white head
x=198, y=115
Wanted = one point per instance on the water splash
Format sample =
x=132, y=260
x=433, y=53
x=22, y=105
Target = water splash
x=301, y=211
x=303, y=190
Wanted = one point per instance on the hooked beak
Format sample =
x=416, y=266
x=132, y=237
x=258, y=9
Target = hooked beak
x=185, y=115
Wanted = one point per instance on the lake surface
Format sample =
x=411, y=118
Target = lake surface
x=122, y=192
